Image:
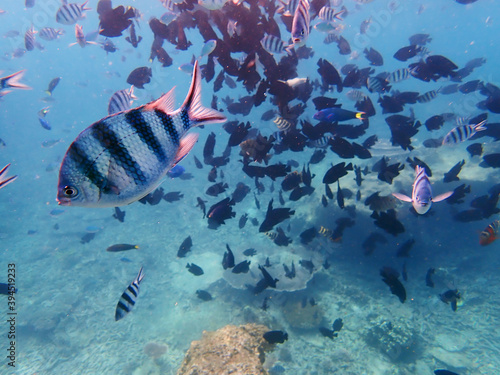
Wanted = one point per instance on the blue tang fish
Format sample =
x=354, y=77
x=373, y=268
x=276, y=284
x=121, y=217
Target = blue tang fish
x=421, y=196
x=123, y=157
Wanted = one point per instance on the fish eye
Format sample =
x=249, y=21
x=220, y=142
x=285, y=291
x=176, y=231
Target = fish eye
x=70, y=192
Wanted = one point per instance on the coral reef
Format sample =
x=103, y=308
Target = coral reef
x=394, y=338
x=229, y=350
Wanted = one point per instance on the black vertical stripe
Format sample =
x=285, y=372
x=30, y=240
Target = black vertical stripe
x=111, y=141
x=123, y=307
x=136, y=120
x=168, y=125
x=86, y=165
x=128, y=298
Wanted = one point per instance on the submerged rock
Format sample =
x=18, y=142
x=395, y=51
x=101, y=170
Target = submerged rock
x=229, y=350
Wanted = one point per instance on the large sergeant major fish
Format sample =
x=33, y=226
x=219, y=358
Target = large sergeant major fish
x=421, y=196
x=123, y=157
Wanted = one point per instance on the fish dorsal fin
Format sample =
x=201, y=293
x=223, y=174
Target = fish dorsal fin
x=442, y=197
x=402, y=197
x=186, y=144
x=164, y=103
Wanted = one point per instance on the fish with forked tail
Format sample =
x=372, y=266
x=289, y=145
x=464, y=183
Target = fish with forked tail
x=128, y=298
x=123, y=157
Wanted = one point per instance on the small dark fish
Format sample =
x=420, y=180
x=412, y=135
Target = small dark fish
x=240, y=192
x=129, y=297
x=216, y=189
x=370, y=243
x=290, y=273
x=337, y=171
x=328, y=332
x=228, y=258
x=374, y=57
x=140, y=76
x=52, y=85
x=475, y=149
x=133, y=39
x=7, y=289
x=452, y=174
x=264, y=304
x=125, y=260
x=194, y=269
x=340, y=196
x=337, y=325
x=388, y=222
x=275, y=337
x=428, y=277
x=250, y=252
x=451, y=296
x=204, y=295
x=408, y=52
x=121, y=247
x=308, y=235
x=220, y=212
x=404, y=249
x=119, y=215
x=307, y=264
x=274, y=217
x=391, y=277
x=185, y=247
x=243, y=221
x=197, y=162
x=87, y=237
x=242, y=267
x=447, y=372
x=201, y=204
x=270, y=281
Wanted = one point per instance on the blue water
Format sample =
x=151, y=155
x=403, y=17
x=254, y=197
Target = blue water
x=68, y=290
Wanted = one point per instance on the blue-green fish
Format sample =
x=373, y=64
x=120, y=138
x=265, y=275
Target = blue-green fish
x=123, y=157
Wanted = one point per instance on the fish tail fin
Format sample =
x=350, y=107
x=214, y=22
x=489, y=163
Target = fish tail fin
x=480, y=126
x=198, y=114
x=360, y=115
x=83, y=7
x=48, y=92
x=13, y=81
x=140, y=276
x=131, y=93
x=289, y=49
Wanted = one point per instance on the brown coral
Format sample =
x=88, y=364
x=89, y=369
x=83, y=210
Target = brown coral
x=229, y=350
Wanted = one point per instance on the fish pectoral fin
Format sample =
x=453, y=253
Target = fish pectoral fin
x=402, y=197
x=442, y=197
x=185, y=145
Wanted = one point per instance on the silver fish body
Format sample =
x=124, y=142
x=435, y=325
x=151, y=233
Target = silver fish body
x=462, y=133
x=123, y=157
x=121, y=101
x=69, y=14
x=421, y=196
x=300, y=24
x=128, y=297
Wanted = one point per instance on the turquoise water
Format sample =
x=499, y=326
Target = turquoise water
x=68, y=290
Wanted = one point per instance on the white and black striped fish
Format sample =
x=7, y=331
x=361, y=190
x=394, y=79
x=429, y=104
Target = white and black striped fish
x=328, y=14
x=273, y=44
x=462, y=133
x=129, y=297
x=399, y=75
x=331, y=38
x=300, y=24
x=49, y=33
x=288, y=8
x=123, y=157
x=69, y=14
x=421, y=196
x=121, y=101
x=282, y=124
x=322, y=142
x=29, y=39
x=427, y=97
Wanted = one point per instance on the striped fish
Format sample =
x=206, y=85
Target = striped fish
x=329, y=15
x=273, y=44
x=399, y=75
x=29, y=39
x=69, y=14
x=289, y=8
x=462, y=133
x=80, y=38
x=421, y=196
x=49, y=33
x=427, y=97
x=4, y=180
x=282, y=124
x=490, y=234
x=300, y=24
x=123, y=157
x=121, y=101
x=128, y=298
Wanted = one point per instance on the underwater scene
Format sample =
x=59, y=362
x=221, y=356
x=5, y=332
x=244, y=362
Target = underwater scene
x=299, y=187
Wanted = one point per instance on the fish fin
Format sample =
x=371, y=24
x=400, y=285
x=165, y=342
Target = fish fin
x=480, y=126
x=186, y=144
x=13, y=81
x=442, y=197
x=4, y=183
x=164, y=103
x=360, y=115
x=289, y=49
x=82, y=7
x=72, y=44
x=128, y=39
x=196, y=112
x=94, y=43
x=140, y=276
x=402, y=197
x=131, y=93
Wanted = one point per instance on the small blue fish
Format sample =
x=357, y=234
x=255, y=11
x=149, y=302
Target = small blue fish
x=56, y=212
x=337, y=114
x=126, y=260
x=45, y=124
x=421, y=196
x=93, y=229
x=176, y=171
x=128, y=298
x=208, y=47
